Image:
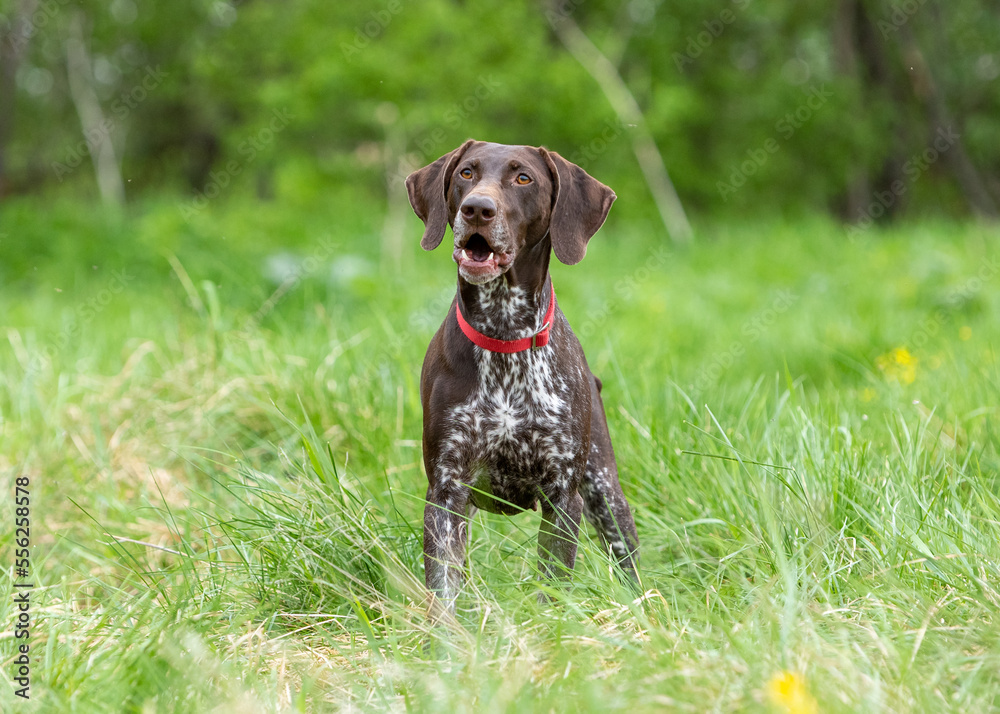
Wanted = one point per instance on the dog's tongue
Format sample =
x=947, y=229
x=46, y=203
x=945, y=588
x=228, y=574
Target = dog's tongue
x=478, y=249
x=478, y=254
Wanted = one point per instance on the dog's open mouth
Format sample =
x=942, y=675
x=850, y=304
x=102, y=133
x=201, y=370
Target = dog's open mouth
x=478, y=262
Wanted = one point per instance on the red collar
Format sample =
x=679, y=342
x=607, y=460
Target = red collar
x=539, y=339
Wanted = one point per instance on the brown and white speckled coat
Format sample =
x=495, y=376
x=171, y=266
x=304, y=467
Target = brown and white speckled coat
x=508, y=432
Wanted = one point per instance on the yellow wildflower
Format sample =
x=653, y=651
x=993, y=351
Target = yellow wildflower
x=787, y=693
x=903, y=356
x=899, y=365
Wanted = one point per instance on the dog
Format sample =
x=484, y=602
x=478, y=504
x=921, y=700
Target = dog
x=512, y=415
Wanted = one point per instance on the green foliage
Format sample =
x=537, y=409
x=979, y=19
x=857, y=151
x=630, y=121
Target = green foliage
x=360, y=86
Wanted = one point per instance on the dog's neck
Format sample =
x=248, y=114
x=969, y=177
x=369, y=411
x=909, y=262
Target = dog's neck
x=511, y=306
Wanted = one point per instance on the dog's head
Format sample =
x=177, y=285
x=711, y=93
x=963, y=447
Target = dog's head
x=501, y=200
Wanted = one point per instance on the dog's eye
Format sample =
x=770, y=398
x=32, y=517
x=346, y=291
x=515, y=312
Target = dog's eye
x=465, y=173
x=523, y=179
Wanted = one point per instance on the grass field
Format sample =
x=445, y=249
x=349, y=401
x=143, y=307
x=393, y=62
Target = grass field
x=219, y=419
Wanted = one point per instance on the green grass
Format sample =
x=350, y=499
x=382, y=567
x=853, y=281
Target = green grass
x=227, y=510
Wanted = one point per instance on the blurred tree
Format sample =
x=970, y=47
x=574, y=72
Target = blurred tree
x=96, y=125
x=795, y=105
x=618, y=95
x=15, y=34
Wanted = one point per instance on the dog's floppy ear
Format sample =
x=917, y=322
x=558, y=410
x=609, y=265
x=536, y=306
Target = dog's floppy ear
x=428, y=192
x=580, y=205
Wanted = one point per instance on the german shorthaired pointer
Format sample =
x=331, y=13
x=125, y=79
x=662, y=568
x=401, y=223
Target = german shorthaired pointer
x=513, y=417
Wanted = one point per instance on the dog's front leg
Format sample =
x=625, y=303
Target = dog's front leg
x=557, y=536
x=445, y=536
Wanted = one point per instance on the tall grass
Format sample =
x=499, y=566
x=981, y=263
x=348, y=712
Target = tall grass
x=228, y=510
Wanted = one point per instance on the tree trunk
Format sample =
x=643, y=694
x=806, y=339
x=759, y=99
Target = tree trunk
x=13, y=45
x=96, y=127
x=599, y=67
x=858, y=189
x=927, y=90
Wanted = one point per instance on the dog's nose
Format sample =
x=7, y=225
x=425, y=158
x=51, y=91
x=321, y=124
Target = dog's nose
x=479, y=208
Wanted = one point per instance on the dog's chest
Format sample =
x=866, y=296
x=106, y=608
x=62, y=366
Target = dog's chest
x=511, y=436
x=521, y=405
x=512, y=431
